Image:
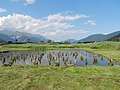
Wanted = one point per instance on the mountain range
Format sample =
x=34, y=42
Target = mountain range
x=115, y=36
x=99, y=37
x=7, y=35
x=12, y=36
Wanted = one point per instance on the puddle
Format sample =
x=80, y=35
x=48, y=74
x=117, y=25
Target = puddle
x=54, y=57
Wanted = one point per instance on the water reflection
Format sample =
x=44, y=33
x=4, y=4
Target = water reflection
x=54, y=57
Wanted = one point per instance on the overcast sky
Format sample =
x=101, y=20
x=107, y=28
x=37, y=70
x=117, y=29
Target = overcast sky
x=60, y=19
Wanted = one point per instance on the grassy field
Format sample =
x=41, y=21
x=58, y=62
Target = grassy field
x=62, y=78
x=59, y=78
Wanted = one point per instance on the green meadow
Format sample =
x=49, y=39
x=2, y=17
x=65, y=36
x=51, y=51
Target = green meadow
x=62, y=77
x=59, y=78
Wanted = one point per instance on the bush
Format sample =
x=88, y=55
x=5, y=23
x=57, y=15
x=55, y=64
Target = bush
x=57, y=63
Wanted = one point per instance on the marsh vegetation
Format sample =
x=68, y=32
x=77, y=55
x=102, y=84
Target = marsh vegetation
x=54, y=58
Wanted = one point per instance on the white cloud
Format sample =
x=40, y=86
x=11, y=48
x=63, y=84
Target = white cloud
x=58, y=17
x=30, y=1
x=29, y=24
x=27, y=2
x=61, y=35
x=2, y=10
x=51, y=28
x=89, y=22
x=64, y=32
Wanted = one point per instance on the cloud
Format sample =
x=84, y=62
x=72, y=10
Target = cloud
x=89, y=22
x=25, y=23
x=59, y=18
x=64, y=32
x=2, y=10
x=27, y=2
x=50, y=26
x=30, y=1
x=61, y=35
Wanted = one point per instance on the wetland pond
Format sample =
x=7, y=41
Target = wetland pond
x=54, y=57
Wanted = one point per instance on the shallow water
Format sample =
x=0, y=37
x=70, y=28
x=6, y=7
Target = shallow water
x=54, y=57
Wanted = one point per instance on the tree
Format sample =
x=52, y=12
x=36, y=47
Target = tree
x=42, y=41
x=49, y=41
x=66, y=42
x=9, y=42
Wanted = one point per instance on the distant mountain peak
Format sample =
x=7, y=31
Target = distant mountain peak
x=8, y=35
x=71, y=40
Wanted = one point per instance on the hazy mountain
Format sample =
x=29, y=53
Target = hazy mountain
x=95, y=37
x=21, y=36
x=2, y=41
x=7, y=35
x=114, y=38
x=71, y=40
x=4, y=37
x=99, y=37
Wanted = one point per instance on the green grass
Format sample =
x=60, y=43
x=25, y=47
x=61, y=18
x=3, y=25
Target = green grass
x=110, y=50
x=59, y=78
x=62, y=78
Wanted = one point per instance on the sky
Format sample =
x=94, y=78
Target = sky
x=59, y=20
